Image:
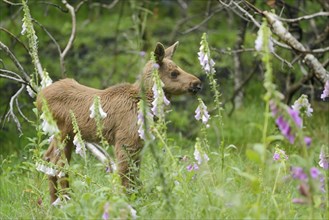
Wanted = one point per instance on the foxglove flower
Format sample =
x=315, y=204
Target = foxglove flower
x=303, y=106
x=279, y=155
x=192, y=167
x=48, y=125
x=295, y=116
x=200, y=157
x=23, y=28
x=106, y=214
x=142, y=53
x=45, y=80
x=315, y=173
x=141, y=121
x=159, y=99
x=96, y=109
x=260, y=40
x=325, y=92
x=324, y=160
x=285, y=129
x=307, y=141
x=274, y=108
x=206, y=62
x=80, y=146
x=41, y=167
x=50, y=171
x=298, y=173
x=133, y=212
x=201, y=113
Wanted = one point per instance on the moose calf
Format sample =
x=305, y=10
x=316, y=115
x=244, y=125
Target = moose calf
x=120, y=103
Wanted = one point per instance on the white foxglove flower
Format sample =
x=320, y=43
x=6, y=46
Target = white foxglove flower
x=141, y=122
x=200, y=157
x=159, y=99
x=47, y=126
x=206, y=63
x=325, y=92
x=23, y=28
x=50, y=171
x=80, y=146
x=133, y=212
x=201, y=113
x=94, y=110
x=324, y=160
x=41, y=168
x=46, y=80
x=303, y=106
x=260, y=41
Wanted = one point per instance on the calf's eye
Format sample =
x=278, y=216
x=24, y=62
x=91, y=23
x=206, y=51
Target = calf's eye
x=174, y=74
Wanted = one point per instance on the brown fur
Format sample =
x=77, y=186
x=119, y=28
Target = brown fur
x=120, y=103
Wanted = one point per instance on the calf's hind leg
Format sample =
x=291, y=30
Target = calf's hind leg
x=55, y=156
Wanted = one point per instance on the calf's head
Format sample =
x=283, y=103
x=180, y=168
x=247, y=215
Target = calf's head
x=176, y=81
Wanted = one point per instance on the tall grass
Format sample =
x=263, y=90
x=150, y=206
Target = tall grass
x=250, y=184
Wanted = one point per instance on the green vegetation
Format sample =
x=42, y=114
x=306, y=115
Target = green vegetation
x=250, y=184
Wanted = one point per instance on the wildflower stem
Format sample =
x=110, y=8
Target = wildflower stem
x=165, y=144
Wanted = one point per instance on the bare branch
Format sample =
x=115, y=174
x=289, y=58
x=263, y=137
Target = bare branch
x=13, y=36
x=14, y=59
x=306, y=17
x=72, y=37
x=49, y=35
x=310, y=60
x=203, y=22
x=12, y=3
x=105, y=5
x=11, y=109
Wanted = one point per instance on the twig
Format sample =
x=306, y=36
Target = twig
x=79, y=5
x=203, y=22
x=282, y=60
x=12, y=3
x=11, y=109
x=306, y=17
x=14, y=59
x=49, y=35
x=310, y=60
x=105, y=5
x=72, y=37
x=13, y=36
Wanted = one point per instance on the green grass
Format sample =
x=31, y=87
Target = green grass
x=238, y=191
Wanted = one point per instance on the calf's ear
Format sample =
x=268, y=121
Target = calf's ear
x=171, y=50
x=159, y=53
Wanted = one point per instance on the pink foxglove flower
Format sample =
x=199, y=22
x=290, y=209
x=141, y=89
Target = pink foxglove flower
x=279, y=155
x=298, y=173
x=106, y=214
x=285, y=129
x=325, y=92
x=192, y=167
x=315, y=173
x=295, y=116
